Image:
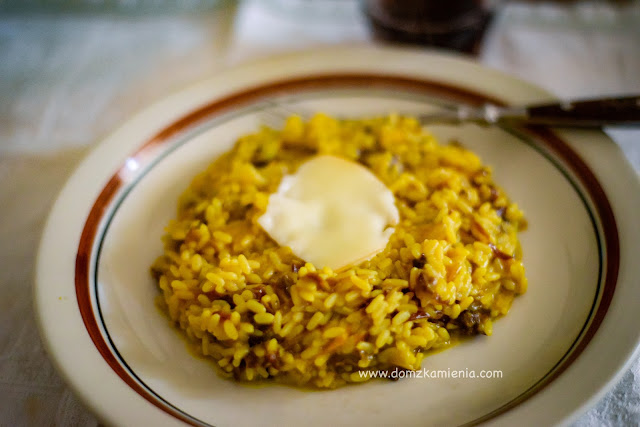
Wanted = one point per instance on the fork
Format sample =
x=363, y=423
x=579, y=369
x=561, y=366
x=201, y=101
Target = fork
x=623, y=111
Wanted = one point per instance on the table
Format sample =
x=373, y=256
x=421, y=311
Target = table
x=68, y=79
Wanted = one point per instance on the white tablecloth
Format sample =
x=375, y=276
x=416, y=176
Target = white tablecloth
x=67, y=80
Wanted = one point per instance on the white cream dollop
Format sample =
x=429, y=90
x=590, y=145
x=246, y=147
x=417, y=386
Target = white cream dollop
x=332, y=212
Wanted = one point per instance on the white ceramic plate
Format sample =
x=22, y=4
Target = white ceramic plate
x=563, y=343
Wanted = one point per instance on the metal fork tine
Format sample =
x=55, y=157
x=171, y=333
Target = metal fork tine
x=276, y=112
x=272, y=119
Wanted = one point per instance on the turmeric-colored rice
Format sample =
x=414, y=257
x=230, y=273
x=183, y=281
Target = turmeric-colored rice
x=451, y=267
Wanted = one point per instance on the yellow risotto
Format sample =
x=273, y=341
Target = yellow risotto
x=452, y=265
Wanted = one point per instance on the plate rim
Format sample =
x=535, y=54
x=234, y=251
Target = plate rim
x=47, y=329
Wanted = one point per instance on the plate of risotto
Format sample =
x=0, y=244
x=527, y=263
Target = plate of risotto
x=287, y=243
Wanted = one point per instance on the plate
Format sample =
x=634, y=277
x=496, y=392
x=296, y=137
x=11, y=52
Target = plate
x=562, y=345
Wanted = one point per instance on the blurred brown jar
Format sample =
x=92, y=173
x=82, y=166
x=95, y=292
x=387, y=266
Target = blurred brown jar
x=452, y=24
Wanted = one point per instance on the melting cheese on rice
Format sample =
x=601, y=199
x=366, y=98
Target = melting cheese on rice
x=332, y=212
